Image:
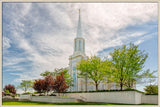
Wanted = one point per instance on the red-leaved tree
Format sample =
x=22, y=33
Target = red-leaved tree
x=10, y=88
x=60, y=84
x=48, y=83
x=39, y=86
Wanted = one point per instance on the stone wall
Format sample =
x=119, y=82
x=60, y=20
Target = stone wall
x=120, y=97
x=124, y=97
x=52, y=99
x=149, y=99
x=9, y=98
x=25, y=97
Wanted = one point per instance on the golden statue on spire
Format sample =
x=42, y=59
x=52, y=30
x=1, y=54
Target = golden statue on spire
x=79, y=11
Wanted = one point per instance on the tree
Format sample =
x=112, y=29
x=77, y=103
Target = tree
x=128, y=63
x=48, y=83
x=94, y=68
x=68, y=78
x=60, y=84
x=25, y=85
x=147, y=77
x=39, y=86
x=151, y=89
x=46, y=73
x=10, y=88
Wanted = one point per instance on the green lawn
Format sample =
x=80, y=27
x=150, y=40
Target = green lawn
x=41, y=103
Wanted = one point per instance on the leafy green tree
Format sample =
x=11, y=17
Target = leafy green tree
x=147, y=77
x=46, y=73
x=151, y=89
x=25, y=85
x=94, y=68
x=128, y=63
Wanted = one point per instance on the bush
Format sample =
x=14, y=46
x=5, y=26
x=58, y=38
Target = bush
x=152, y=94
x=27, y=93
x=41, y=95
x=13, y=95
x=10, y=88
x=128, y=89
x=53, y=95
x=17, y=94
x=35, y=92
x=151, y=90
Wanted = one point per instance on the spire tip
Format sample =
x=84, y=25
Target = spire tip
x=79, y=11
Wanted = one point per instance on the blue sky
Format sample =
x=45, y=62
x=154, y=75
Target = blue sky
x=39, y=36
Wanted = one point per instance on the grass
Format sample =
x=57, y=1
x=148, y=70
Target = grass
x=71, y=103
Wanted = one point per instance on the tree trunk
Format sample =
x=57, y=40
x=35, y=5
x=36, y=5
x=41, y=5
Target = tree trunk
x=86, y=83
x=96, y=85
x=25, y=90
x=121, y=85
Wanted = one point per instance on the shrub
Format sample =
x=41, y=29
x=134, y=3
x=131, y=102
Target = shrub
x=53, y=94
x=41, y=95
x=151, y=90
x=128, y=89
x=13, y=95
x=10, y=88
x=35, y=92
x=27, y=93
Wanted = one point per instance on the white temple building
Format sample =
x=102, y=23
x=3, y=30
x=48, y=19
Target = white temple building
x=82, y=84
x=78, y=54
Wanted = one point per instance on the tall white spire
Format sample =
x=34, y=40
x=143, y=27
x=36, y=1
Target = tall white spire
x=79, y=32
x=79, y=42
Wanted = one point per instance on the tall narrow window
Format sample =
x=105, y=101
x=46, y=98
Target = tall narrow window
x=79, y=45
x=75, y=45
x=74, y=81
x=74, y=68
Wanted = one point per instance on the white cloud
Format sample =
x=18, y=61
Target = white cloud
x=45, y=32
x=146, y=37
x=6, y=42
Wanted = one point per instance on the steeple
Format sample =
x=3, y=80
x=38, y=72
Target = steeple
x=78, y=54
x=79, y=42
x=79, y=32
